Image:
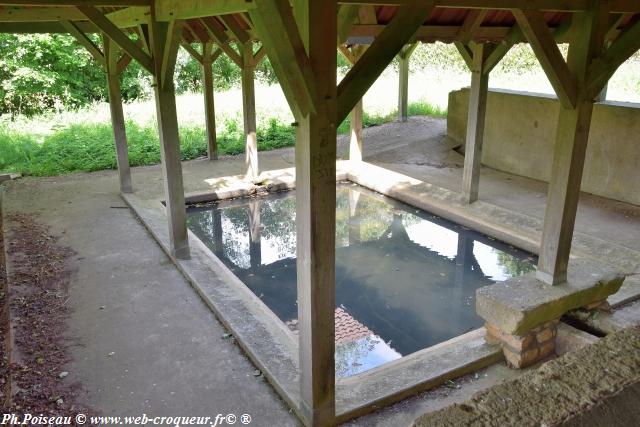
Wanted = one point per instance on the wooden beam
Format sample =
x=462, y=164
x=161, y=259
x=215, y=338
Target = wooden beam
x=347, y=14
x=605, y=66
x=238, y=32
x=617, y=6
x=117, y=36
x=356, y=141
x=277, y=28
x=533, y=26
x=170, y=51
x=430, y=33
x=259, y=55
x=32, y=14
x=569, y=153
x=130, y=17
x=475, y=123
x=123, y=62
x=93, y=3
x=501, y=49
x=209, y=103
x=316, y=215
x=472, y=22
x=465, y=53
x=85, y=41
x=249, y=111
x=188, y=9
x=397, y=33
x=403, y=81
x=192, y=51
x=222, y=39
x=117, y=115
x=169, y=145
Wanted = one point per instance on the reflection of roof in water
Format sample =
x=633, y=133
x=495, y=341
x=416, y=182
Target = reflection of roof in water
x=348, y=329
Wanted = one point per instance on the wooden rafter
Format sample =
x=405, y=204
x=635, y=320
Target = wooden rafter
x=465, y=53
x=382, y=51
x=118, y=37
x=544, y=46
x=606, y=65
x=274, y=22
x=616, y=6
x=93, y=3
x=501, y=49
x=192, y=51
x=172, y=43
x=347, y=14
x=472, y=22
x=85, y=41
x=219, y=36
x=238, y=32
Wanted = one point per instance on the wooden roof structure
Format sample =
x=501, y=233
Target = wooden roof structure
x=300, y=38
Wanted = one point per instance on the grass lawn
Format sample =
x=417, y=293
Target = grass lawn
x=74, y=141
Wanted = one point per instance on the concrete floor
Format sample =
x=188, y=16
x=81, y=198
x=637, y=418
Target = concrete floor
x=169, y=354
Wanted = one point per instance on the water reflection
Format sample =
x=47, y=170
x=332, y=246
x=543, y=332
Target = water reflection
x=405, y=279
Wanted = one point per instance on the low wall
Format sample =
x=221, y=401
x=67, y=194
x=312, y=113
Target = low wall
x=520, y=131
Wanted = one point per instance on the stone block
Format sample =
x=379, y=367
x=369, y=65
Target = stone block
x=518, y=305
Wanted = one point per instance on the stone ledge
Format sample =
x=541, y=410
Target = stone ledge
x=522, y=303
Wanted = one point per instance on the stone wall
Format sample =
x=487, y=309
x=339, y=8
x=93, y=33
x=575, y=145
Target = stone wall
x=520, y=131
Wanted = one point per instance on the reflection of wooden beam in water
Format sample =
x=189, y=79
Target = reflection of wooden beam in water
x=255, y=243
x=354, y=220
x=216, y=220
x=464, y=259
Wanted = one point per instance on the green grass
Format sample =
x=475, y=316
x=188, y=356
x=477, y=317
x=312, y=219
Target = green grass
x=89, y=147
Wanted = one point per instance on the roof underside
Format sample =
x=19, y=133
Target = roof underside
x=444, y=24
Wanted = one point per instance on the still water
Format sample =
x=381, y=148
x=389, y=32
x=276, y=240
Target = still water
x=405, y=279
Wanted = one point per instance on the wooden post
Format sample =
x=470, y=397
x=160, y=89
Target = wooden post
x=117, y=115
x=249, y=111
x=355, y=143
x=316, y=215
x=572, y=135
x=209, y=105
x=403, y=88
x=165, y=47
x=355, y=116
x=475, y=124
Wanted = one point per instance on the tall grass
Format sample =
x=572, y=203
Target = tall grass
x=88, y=147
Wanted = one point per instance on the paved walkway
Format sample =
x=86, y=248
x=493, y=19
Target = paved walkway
x=169, y=354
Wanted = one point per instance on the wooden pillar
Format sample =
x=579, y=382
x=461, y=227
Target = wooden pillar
x=475, y=124
x=164, y=40
x=117, y=115
x=355, y=143
x=572, y=135
x=249, y=110
x=563, y=194
x=403, y=87
x=316, y=215
x=209, y=105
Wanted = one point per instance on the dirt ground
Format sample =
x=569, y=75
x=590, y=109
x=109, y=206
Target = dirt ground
x=576, y=389
x=39, y=277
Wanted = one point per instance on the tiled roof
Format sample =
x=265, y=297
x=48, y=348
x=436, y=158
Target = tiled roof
x=348, y=329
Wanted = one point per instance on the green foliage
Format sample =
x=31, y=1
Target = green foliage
x=43, y=72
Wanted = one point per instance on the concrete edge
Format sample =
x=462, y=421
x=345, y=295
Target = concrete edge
x=257, y=334
x=420, y=371
x=8, y=338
